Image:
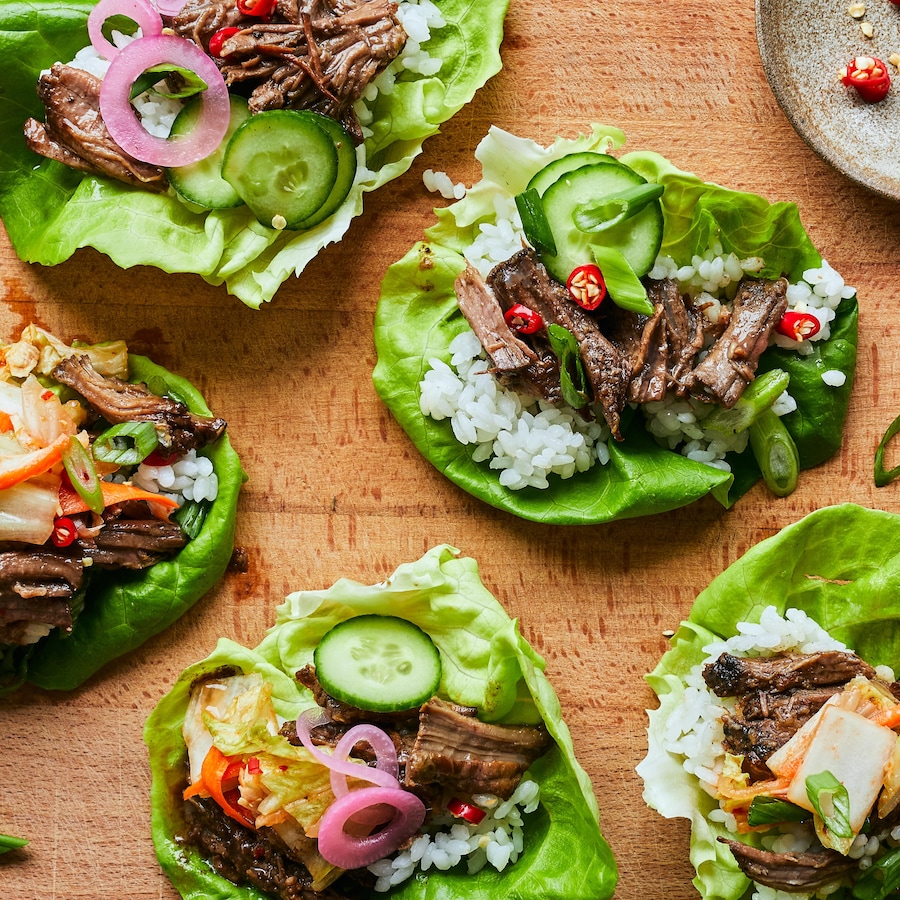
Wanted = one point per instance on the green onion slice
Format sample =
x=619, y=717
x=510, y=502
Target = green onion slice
x=758, y=396
x=191, y=515
x=831, y=801
x=8, y=842
x=571, y=370
x=771, y=811
x=534, y=221
x=622, y=284
x=881, y=879
x=126, y=444
x=80, y=469
x=882, y=477
x=776, y=453
x=600, y=215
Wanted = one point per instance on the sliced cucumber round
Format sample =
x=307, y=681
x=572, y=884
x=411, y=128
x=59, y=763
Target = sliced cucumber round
x=552, y=172
x=638, y=238
x=283, y=164
x=378, y=663
x=346, y=172
x=202, y=182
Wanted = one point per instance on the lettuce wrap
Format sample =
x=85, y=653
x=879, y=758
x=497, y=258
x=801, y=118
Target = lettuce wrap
x=122, y=609
x=417, y=318
x=840, y=565
x=486, y=663
x=49, y=210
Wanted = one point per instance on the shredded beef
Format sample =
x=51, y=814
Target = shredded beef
x=74, y=133
x=792, y=872
x=178, y=429
x=730, y=676
x=731, y=363
x=474, y=757
x=523, y=279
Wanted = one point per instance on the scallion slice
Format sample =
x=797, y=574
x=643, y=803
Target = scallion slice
x=534, y=221
x=775, y=453
x=600, y=215
x=885, y=477
x=831, y=801
x=126, y=444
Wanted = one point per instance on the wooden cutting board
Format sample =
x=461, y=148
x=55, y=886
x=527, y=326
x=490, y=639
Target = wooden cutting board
x=336, y=488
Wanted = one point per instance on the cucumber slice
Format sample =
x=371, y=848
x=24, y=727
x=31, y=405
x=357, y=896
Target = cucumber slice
x=552, y=172
x=283, y=164
x=202, y=182
x=346, y=172
x=638, y=238
x=378, y=663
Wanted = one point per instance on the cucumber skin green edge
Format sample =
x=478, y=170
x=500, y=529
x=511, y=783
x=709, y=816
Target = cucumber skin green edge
x=335, y=674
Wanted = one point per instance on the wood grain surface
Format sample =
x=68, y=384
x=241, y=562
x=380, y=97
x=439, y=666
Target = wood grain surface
x=336, y=488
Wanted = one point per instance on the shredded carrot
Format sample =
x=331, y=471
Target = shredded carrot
x=71, y=503
x=16, y=469
x=890, y=717
x=6, y=423
x=213, y=773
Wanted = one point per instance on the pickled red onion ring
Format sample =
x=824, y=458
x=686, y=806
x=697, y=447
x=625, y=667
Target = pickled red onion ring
x=169, y=7
x=381, y=744
x=140, y=11
x=124, y=126
x=348, y=851
x=353, y=770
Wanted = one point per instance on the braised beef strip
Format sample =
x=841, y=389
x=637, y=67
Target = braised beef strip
x=74, y=133
x=178, y=429
x=524, y=279
x=791, y=872
x=485, y=317
x=731, y=676
x=36, y=585
x=731, y=363
x=462, y=752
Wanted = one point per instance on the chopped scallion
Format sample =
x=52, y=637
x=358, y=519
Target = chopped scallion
x=126, y=444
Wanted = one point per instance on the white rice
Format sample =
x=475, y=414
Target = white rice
x=189, y=478
x=525, y=439
x=694, y=731
x=498, y=840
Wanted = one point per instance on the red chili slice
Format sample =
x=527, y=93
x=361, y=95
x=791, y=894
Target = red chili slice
x=586, y=286
x=64, y=532
x=219, y=38
x=467, y=811
x=798, y=325
x=522, y=319
x=258, y=8
x=869, y=75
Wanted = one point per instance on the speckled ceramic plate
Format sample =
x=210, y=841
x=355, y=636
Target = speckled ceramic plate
x=803, y=46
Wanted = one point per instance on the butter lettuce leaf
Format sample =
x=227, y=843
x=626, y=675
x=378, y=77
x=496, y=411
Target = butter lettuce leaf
x=485, y=661
x=417, y=317
x=50, y=211
x=840, y=565
x=124, y=609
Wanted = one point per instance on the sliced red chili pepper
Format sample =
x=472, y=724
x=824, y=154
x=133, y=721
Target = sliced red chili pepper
x=522, y=319
x=258, y=8
x=467, y=811
x=219, y=38
x=869, y=75
x=586, y=286
x=64, y=532
x=798, y=325
x=46, y=395
x=253, y=766
x=158, y=458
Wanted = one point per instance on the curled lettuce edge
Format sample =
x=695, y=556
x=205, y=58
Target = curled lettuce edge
x=485, y=661
x=50, y=211
x=417, y=317
x=840, y=565
x=124, y=609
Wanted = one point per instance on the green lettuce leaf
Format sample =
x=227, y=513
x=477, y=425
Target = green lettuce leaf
x=486, y=662
x=49, y=210
x=124, y=609
x=417, y=318
x=840, y=565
